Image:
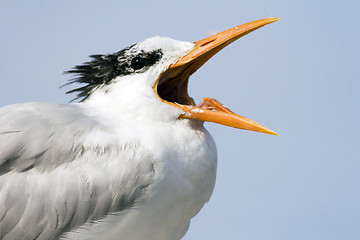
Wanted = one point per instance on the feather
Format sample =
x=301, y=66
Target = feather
x=34, y=153
x=102, y=69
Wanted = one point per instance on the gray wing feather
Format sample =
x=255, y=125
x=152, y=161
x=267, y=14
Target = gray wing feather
x=42, y=192
x=37, y=135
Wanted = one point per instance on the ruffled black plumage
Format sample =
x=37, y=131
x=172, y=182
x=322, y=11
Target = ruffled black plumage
x=102, y=69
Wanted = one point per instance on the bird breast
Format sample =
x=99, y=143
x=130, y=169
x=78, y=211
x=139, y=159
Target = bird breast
x=185, y=169
x=183, y=159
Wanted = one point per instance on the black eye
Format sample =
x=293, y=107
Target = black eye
x=138, y=63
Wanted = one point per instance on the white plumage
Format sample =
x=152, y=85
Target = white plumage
x=119, y=165
x=130, y=161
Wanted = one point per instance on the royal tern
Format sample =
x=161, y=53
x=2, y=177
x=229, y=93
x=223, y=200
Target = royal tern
x=131, y=160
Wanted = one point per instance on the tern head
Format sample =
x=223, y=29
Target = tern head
x=150, y=79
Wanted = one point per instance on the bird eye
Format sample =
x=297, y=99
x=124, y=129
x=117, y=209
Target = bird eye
x=138, y=63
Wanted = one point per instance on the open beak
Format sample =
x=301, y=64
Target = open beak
x=171, y=87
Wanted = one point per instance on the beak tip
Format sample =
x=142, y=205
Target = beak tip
x=273, y=19
x=269, y=131
x=275, y=133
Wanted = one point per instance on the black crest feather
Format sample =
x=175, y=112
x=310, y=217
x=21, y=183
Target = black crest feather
x=102, y=69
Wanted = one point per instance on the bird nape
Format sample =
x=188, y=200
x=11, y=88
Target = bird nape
x=132, y=160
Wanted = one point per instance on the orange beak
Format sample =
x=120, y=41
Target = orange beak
x=172, y=84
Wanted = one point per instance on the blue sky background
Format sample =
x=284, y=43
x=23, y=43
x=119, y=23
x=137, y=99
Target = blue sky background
x=299, y=77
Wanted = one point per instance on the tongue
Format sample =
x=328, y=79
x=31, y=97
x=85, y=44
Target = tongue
x=211, y=110
x=213, y=104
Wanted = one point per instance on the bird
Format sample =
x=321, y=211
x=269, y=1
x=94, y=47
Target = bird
x=130, y=160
